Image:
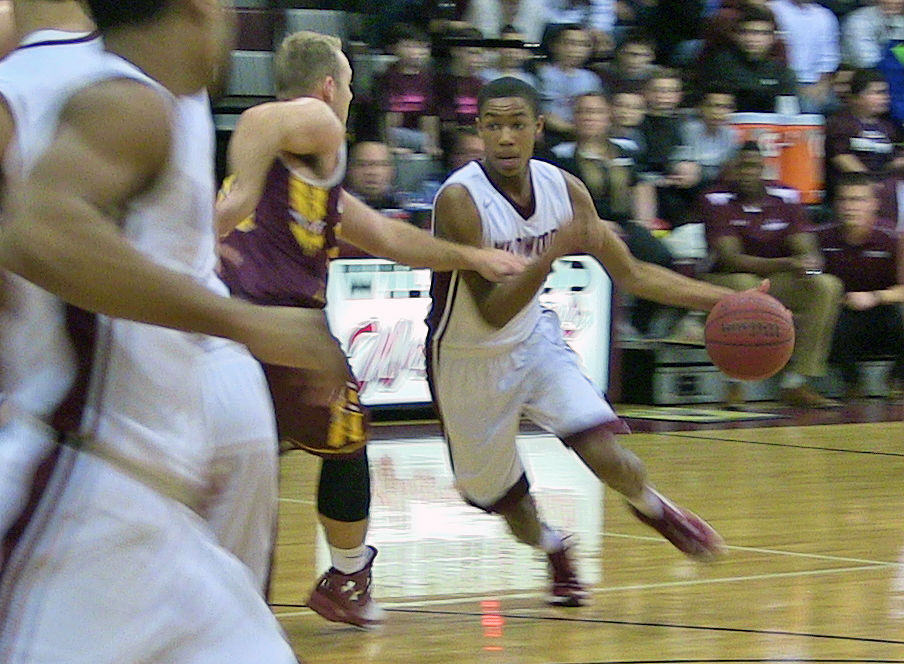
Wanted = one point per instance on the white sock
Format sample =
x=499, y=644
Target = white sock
x=349, y=561
x=648, y=502
x=792, y=380
x=550, y=540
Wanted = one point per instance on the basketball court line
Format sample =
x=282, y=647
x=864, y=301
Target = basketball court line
x=818, y=448
x=403, y=604
x=748, y=660
x=399, y=608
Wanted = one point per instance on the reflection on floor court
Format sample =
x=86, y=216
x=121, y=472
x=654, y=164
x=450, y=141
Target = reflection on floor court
x=432, y=543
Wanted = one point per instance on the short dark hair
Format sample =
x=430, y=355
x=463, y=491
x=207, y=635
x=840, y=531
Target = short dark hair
x=637, y=36
x=863, y=78
x=405, y=32
x=750, y=145
x=854, y=179
x=754, y=13
x=109, y=14
x=509, y=86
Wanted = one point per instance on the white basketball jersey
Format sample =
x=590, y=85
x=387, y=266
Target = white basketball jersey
x=144, y=396
x=457, y=320
x=36, y=360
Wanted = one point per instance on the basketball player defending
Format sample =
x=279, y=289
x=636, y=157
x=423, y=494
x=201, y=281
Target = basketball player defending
x=494, y=354
x=58, y=46
x=284, y=194
x=112, y=562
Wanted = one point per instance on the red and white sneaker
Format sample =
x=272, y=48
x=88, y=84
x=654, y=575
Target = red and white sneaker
x=685, y=530
x=566, y=590
x=346, y=598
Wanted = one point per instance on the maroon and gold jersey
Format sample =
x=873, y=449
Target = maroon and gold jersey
x=284, y=248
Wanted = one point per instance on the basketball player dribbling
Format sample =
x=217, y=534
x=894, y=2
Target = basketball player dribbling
x=58, y=46
x=494, y=354
x=282, y=211
x=111, y=561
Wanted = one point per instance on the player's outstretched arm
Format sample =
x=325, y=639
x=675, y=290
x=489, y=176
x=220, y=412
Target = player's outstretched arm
x=304, y=126
x=398, y=240
x=455, y=218
x=651, y=282
x=63, y=232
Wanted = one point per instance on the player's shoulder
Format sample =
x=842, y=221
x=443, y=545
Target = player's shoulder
x=300, y=108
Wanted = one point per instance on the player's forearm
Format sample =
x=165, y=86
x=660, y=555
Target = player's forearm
x=891, y=295
x=91, y=266
x=401, y=242
x=504, y=300
x=659, y=284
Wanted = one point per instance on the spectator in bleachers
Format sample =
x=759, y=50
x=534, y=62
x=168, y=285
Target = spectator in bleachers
x=753, y=234
x=370, y=176
x=811, y=35
x=868, y=257
x=405, y=94
x=563, y=78
x=464, y=146
x=747, y=67
x=597, y=16
x=632, y=65
x=859, y=138
x=720, y=30
x=663, y=160
x=459, y=81
x=510, y=60
x=866, y=31
x=490, y=17
x=708, y=137
x=611, y=177
x=628, y=111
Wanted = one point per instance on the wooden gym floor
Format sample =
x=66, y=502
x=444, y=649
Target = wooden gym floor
x=810, y=505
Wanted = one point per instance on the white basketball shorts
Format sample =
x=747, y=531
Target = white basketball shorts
x=482, y=396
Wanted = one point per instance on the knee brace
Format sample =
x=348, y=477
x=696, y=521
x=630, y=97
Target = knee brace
x=344, y=490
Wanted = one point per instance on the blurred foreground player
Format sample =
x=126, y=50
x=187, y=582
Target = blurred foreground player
x=494, y=354
x=112, y=562
x=59, y=46
x=283, y=211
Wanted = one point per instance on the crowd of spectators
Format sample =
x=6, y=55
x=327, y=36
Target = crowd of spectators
x=639, y=100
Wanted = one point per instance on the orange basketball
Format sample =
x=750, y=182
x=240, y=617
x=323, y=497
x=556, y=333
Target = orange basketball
x=749, y=335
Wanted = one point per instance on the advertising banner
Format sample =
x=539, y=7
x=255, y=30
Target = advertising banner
x=377, y=310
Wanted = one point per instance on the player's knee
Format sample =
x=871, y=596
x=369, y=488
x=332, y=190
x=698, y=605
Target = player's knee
x=344, y=490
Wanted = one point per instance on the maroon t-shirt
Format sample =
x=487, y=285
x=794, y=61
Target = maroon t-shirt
x=763, y=229
x=457, y=97
x=873, y=142
x=412, y=95
x=870, y=266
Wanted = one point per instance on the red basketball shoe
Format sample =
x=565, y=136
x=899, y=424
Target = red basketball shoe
x=566, y=589
x=688, y=532
x=346, y=598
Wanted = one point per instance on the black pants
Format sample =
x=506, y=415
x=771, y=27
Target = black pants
x=875, y=332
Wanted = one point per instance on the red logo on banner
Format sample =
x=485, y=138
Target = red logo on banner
x=385, y=358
